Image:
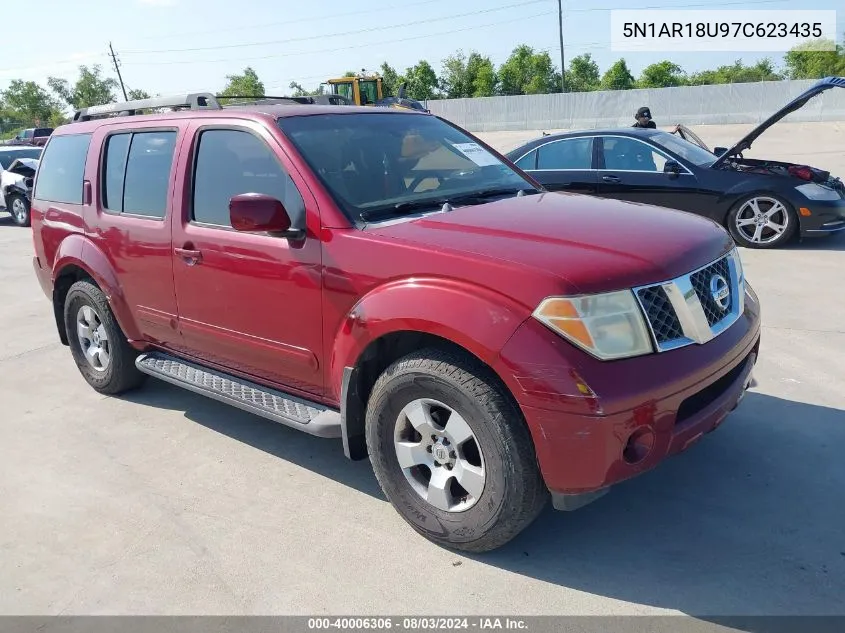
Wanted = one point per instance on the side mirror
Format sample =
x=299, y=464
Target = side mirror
x=719, y=150
x=672, y=168
x=260, y=213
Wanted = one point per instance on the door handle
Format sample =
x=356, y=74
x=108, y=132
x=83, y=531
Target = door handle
x=610, y=178
x=190, y=256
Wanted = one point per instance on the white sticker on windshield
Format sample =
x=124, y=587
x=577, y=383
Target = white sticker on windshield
x=477, y=154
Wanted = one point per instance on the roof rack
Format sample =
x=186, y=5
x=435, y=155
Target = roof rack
x=192, y=101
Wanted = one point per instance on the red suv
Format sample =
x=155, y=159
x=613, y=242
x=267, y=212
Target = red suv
x=382, y=276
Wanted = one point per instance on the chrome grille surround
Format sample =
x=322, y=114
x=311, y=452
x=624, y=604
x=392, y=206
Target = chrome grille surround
x=692, y=317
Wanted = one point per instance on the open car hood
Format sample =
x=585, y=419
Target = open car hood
x=796, y=104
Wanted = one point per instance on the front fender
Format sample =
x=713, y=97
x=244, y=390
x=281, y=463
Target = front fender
x=76, y=250
x=478, y=319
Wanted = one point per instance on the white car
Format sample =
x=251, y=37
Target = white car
x=17, y=169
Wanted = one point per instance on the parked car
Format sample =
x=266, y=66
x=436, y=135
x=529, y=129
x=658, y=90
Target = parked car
x=763, y=203
x=17, y=169
x=31, y=136
x=383, y=277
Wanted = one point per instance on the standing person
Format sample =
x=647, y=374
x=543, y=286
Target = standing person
x=643, y=117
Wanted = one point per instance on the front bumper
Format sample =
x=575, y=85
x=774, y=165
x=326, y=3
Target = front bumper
x=826, y=217
x=597, y=423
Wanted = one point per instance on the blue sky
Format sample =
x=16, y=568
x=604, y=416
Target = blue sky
x=286, y=41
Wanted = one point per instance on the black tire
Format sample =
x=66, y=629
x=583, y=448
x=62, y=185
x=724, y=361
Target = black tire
x=513, y=493
x=120, y=374
x=777, y=242
x=11, y=201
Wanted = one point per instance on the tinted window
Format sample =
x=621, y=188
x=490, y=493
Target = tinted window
x=371, y=163
x=43, y=131
x=627, y=154
x=232, y=162
x=10, y=156
x=62, y=169
x=576, y=153
x=147, y=179
x=684, y=149
x=529, y=161
x=117, y=147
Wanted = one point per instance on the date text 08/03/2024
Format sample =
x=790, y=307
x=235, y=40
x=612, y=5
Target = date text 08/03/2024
x=417, y=623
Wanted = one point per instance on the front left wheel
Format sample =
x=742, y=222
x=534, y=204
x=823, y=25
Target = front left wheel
x=452, y=452
x=762, y=221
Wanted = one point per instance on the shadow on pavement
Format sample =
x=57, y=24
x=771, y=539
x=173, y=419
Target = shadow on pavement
x=323, y=456
x=833, y=242
x=750, y=521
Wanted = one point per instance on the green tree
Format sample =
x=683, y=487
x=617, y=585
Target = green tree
x=814, y=60
x=617, y=77
x=453, y=78
x=389, y=80
x=735, y=73
x=583, y=74
x=481, y=76
x=27, y=102
x=91, y=88
x=663, y=74
x=246, y=85
x=138, y=94
x=421, y=81
x=527, y=72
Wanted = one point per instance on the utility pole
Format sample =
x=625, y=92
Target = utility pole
x=562, y=59
x=117, y=69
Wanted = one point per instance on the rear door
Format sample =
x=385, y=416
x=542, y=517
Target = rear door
x=631, y=169
x=129, y=219
x=563, y=165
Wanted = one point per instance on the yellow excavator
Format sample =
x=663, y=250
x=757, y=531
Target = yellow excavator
x=367, y=90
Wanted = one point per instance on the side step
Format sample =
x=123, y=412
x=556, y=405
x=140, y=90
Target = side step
x=268, y=403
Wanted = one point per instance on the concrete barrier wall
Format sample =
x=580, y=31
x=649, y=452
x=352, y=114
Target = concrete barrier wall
x=690, y=105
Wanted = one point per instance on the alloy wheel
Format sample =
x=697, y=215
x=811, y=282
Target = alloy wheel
x=93, y=338
x=762, y=220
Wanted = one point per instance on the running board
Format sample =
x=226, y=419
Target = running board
x=268, y=403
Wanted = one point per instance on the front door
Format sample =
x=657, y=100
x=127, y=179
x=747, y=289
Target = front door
x=250, y=303
x=563, y=165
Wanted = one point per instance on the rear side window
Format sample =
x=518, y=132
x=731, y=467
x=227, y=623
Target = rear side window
x=232, y=162
x=137, y=170
x=63, y=169
x=576, y=153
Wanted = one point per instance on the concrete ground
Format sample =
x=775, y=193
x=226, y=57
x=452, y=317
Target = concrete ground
x=163, y=502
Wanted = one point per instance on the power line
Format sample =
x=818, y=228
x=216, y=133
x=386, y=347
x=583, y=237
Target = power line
x=324, y=35
x=340, y=48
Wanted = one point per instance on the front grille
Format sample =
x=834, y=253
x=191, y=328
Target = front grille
x=664, y=322
x=683, y=311
x=700, y=281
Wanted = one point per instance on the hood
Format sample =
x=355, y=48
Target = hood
x=31, y=163
x=593, y=244
x=796, y=104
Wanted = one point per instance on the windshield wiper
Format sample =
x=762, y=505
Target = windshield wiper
x=402, y=208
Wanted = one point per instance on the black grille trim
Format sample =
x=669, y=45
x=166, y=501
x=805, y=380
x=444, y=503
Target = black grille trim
x=661, y=315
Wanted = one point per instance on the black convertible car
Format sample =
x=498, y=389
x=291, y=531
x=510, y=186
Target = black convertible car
x=762, y=203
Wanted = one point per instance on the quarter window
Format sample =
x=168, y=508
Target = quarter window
x=575, y=153
x=529, y=161
x=62, y=169
x=232, y=162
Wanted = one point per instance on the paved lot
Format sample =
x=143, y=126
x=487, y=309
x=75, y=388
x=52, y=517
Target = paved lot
x=164, y=502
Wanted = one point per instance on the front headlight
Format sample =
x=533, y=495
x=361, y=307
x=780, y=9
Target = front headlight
x=815, y=191
x=608, y=326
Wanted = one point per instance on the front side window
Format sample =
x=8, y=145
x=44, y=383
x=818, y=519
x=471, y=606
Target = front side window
x=233, y=162
x=344, y=90
x=576, y=153
x=63, y=169
x=628, y=154
x=10, y=156
x=137, y=172
x=685, y=149
x=529, y=161
x=396, y=163
x=369, y=92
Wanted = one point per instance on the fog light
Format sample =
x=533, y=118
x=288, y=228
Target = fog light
x=639, y=445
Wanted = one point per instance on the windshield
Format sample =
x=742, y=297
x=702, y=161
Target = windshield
x=10, y=156
x=380, y=161
x=683, y=148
